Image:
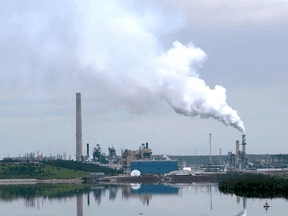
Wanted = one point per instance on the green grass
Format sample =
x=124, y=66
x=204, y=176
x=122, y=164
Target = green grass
x=79, y=166
x=37, y=171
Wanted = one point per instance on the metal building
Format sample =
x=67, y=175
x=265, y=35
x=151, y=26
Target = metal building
x=149, y=167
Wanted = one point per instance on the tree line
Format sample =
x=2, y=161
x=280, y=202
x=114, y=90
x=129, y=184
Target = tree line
x=254, y=185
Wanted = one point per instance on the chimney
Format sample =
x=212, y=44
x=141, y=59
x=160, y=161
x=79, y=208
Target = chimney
x=210, y=149
x=237, y=152
x=87, y=149
x=78, y=128
x=146, y=145
x=243, y=147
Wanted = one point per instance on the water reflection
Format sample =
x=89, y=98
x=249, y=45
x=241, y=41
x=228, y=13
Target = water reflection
x=146, y=192
x=153, y=189
x=266, y=206
x=98, y=191
x=112, y=193
x=79, y=204
x=243, y=212
x=198, y=197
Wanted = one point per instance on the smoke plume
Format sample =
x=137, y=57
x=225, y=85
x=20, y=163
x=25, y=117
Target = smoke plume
x=134, y=61
x=186, y=93
x=120, y=43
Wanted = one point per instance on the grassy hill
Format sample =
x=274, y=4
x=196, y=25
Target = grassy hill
x=37, y=171
x=79, y=166
x=58, y=169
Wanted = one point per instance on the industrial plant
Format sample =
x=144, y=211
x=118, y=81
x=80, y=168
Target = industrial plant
x=145, y=162
x=239, y=160
x=141, y=159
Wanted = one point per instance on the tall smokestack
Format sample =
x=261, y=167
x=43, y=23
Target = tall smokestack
x=87, y=149
x=210, y=150
x=237, y=152
x=243, y=147
x=78, y=128
x=220, y=159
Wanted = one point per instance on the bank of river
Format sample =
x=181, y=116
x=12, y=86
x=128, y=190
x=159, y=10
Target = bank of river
x=31, y=181
x=171, y=179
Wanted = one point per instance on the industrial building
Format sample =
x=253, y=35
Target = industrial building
x=149, y=167
x=141, y=159
x=239, y=160
x=127, y=156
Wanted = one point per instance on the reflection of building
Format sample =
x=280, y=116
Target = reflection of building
x=146, y=167
x=243, y=212
x=145, y=192
x=244, y=202
x=146, y=199
x=126, y=192
x=155, y=189
x=97, y=192
x=112, y=193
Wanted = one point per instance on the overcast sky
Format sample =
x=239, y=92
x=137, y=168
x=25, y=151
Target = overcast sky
x=119, y=55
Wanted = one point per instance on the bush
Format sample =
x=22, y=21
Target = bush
x=254, y=185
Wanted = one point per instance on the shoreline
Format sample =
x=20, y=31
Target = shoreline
x=155, y=179
x=159, y=179
x=120, y=179
x=33, y=181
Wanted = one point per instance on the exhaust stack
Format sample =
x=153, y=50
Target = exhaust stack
x=87, y=149
x=237, y=152
x=210, y=149
x=78, y=127
x=244, y=148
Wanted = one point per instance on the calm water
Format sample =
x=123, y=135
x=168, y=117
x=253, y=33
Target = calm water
x=198, y=200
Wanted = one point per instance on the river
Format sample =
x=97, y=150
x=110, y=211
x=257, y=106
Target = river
x=136, y=199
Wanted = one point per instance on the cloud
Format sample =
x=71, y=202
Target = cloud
x=38, y=45
x=233, y=13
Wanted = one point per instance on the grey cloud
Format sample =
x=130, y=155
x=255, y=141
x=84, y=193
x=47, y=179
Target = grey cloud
x=231, y=13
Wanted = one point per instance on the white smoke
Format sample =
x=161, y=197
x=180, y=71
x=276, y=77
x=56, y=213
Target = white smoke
x=186, y=93
x=133, y=60
x=116, y=42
